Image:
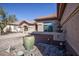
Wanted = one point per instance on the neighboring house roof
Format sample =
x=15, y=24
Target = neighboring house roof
x=21, y=22
x=16, y=23
x=49, y=17
x=29, y=23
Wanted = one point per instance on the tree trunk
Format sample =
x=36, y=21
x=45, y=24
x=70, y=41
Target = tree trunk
x=1, y=31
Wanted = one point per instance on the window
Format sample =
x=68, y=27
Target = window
x=48, y=27
x=25, y=28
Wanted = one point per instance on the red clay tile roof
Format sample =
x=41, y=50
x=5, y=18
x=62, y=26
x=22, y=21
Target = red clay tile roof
x=49, y=17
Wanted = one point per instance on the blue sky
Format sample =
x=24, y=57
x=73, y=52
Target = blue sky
x=29, y=11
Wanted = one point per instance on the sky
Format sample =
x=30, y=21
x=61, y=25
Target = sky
x=29, y=11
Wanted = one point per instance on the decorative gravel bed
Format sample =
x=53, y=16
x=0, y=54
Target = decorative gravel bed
x=16, y=47
x=39, y=50
x=50, y=50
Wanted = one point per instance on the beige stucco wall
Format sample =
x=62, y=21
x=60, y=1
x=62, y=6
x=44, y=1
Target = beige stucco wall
x=69, y=9
x=71, y=27
x=13, y=28
x=17, y=28
x=31, y=28
x=41, y=25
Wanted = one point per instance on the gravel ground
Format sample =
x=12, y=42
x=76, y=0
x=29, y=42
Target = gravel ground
x=49, y=50
x=15, y=42
x=12, y=35
x=10, y=40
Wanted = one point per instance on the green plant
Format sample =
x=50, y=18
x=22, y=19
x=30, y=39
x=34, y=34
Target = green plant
x=1, y=27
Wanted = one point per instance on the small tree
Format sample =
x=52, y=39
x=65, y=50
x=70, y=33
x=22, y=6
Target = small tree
x=11, y=19
x=2, y=27
x=2, y=23
x=5, y=20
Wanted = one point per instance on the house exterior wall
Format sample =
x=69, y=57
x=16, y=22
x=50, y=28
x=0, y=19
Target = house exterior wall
x=71, y=27
x=12, y=28
x=69, y=9
x=31, y=28
x=20, y=28
x=41, y=25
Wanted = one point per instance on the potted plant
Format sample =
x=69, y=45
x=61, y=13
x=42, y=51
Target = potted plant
x=28, y=42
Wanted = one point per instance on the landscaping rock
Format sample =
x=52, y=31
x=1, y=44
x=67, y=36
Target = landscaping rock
x=50, y=50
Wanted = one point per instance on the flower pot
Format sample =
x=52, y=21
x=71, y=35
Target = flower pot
x=28, y=42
